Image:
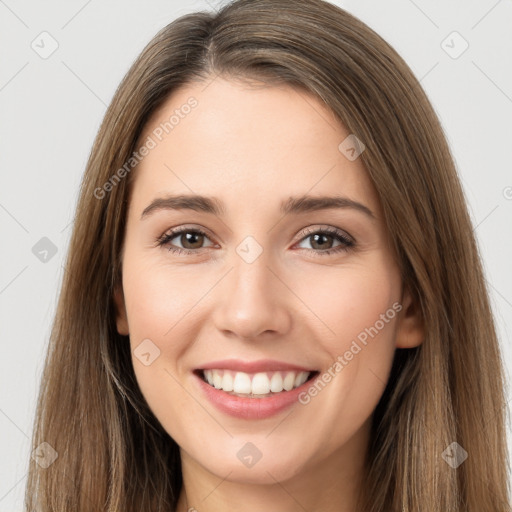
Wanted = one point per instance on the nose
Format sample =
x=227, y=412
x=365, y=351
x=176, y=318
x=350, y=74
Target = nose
x=253, y=302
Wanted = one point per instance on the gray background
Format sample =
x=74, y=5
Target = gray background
x=51, y=109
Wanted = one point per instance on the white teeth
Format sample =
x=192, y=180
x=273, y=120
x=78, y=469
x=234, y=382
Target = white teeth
x=300, y=379
x=288, y=381
x=217, y=379
x=276, y=383
x=227, y=382
x=242, y=383
x=260, y=384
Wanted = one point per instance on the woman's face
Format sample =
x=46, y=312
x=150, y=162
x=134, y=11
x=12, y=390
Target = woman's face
x=278, y=286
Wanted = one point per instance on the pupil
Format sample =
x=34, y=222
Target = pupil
x=190, y=239
x=196, y=238
x=317, y=236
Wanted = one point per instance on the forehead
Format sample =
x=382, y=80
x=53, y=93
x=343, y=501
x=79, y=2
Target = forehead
x=250, y=142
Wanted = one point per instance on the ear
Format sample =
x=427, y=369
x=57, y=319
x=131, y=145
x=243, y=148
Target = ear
x=121, y=316
x=410, y=329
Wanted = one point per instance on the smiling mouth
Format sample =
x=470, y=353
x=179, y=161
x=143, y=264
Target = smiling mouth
x=255, y=385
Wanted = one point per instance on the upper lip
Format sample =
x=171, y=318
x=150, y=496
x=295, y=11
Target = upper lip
x=262, y=365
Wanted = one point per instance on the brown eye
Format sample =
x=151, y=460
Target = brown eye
x=191, y=240
x=321, y=241
x=327, y=240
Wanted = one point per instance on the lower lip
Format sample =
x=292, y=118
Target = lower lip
x=251, y=408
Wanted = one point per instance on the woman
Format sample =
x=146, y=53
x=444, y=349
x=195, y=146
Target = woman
x=202, y=356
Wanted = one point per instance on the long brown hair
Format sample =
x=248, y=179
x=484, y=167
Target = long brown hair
x=112, y=452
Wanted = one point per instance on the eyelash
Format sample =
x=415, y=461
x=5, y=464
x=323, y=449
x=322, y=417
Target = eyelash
x=348, y=243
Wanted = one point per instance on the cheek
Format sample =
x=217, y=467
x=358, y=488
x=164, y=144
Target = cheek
x=159, y=304
x=358, y=307
x=159, y=300
x=349, y=301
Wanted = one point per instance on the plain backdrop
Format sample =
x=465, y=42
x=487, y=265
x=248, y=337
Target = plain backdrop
x=51, y=106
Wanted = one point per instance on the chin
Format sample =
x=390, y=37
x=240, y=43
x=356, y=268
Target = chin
x=250, y=465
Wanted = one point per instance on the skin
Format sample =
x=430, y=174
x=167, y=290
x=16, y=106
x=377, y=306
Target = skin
x=252, y=146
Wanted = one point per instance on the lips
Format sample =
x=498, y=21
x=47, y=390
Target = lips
x=253, y=390
x=263, y=365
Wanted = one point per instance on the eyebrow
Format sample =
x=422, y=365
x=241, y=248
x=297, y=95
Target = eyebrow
x=299, y=204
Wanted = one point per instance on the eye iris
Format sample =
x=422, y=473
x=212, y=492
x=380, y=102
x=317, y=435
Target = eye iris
x=316, y=239
x=196, y=239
